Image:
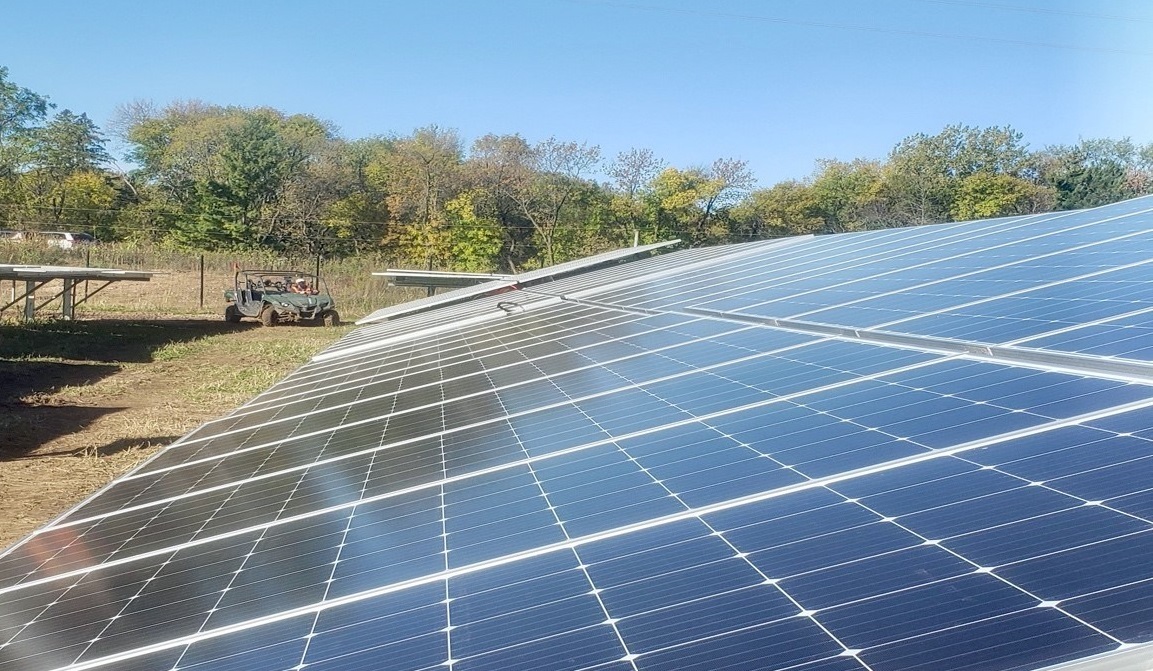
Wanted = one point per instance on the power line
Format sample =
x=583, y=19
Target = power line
x=131, y=227
x=869, y=29
x=1041, y=10
x=261, y=220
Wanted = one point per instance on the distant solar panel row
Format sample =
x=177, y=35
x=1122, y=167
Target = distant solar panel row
x=632, y=472
x=506, y=282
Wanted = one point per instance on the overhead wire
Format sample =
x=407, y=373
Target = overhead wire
x=135, y=228
x=1040, y=10
x=864, y=28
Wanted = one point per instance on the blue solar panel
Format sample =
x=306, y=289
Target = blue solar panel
x=665, y=464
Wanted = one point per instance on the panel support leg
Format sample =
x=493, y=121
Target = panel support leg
x=29, y=300
x=67, y=298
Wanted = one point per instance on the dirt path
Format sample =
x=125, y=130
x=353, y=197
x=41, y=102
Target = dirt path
x=72, y=421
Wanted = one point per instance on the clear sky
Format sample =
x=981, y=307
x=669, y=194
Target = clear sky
x=777, y=83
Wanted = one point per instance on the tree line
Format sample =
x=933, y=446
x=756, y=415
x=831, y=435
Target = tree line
x=213, y=177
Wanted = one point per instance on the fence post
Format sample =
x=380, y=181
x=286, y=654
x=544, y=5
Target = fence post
x=201, y=281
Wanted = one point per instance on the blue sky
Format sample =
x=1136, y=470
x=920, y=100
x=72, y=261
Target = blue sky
x=777, y=83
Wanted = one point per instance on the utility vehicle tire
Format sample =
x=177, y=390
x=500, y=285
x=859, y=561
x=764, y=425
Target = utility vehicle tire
x=268, y=316
x=330, y=318
x=231, y=314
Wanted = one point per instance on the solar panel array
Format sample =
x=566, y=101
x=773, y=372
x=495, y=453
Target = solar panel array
x=926, y=448
x=36, y=278
x=40, y=273
x=497, y=283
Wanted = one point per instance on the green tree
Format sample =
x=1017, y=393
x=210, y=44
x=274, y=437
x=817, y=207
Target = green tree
x=63, y=179
x=69, y=143
x=1095, y=172
x=90, y=197
x=924, y=172
x=629, y=214
x=328, y=207
x=694, y=205
x=982, y=195
x=846, y=196
x=359, y=219
x=786, y=208
x=728, y=181
x=254, y=162
x=1092, y=186
x=296, y=215
x=675, y=197
x=476, y=242
x=229, y=176
x=425, y=174
x=21, y=112
x=497, y=167
x=546, y=185
x=175, y=147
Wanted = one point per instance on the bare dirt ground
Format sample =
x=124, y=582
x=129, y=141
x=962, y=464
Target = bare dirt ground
x=83, y=402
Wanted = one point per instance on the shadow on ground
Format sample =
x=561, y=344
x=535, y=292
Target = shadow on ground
x=105, y=340
x=115, y=447
x=26, y=426
x=38, y=360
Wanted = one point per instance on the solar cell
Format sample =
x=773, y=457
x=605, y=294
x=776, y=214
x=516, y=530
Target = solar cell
x=909, y=448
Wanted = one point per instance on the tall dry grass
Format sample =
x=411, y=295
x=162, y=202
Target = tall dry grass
x=182, y=276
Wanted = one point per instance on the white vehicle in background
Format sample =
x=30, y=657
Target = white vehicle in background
x=61, y=239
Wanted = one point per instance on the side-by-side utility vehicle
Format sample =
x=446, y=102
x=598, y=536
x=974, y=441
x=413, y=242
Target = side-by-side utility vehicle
x=279, y=296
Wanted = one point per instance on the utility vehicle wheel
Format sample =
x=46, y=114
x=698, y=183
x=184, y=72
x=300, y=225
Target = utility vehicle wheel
x=330, y=318
x=268, y=316
x=231, y=314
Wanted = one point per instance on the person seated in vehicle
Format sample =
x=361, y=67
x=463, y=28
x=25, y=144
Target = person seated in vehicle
x=301, y=286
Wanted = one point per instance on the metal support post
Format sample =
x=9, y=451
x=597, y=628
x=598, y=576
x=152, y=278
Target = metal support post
x=68, y=297
x=29, y=300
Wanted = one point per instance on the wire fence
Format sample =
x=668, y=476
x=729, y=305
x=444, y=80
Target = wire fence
x=193, y=283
